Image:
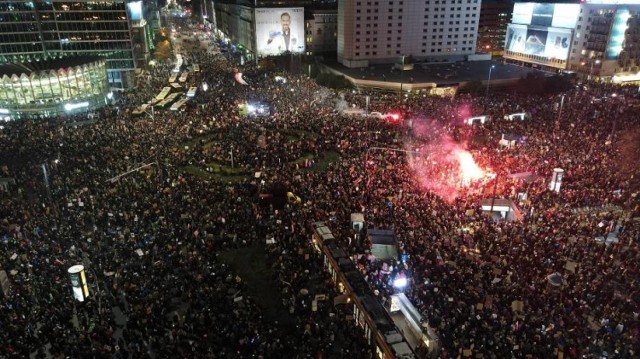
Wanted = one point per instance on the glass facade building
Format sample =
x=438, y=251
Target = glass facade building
x=45, y=88
x=42, y=30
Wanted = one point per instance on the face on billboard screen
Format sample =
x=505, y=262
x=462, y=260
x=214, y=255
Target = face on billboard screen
x=279, y=30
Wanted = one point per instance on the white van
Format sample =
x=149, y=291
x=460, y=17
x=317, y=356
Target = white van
x=477, y=120
x=516, y=116
x=353, y=112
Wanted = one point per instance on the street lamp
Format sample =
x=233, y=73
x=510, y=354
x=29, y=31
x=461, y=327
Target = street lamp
x=151, y=114
x=366, y=108
x=489, y=80
x=401, y=76
x=591, y=68
x=560, y=109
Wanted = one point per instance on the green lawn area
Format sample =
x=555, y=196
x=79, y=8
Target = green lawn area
x=323, y=163
x=224, y=172
x=216, y=176
x=295, y=135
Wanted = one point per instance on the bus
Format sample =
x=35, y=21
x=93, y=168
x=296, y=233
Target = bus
x=183, y=77
x=374, y=321
x=169, y=99
x=140, y=110
x=173, y=96
x=176, y=106
x=192, y=91
x=164, y=103
x=163, y=94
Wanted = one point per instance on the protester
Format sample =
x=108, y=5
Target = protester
x=151, y=240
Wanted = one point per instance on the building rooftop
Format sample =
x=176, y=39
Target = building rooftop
x=28, y=68
x=444, y=74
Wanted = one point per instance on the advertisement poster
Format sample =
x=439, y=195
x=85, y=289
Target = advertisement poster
x=552, y=43
x=522, y=13
x=542, y=15
x=565, y=15
x=135, y=10
x=617, y=36
x=516, y=37
x=279, y=30
x=546, y=15
x=557, y=46
x=536, y=42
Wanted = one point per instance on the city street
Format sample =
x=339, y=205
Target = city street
x=511, y=236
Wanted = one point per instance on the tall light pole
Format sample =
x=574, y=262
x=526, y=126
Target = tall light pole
x=489, y=80
x=401, y=76
x=591, y=68
x=560, y=109
x=366, y=107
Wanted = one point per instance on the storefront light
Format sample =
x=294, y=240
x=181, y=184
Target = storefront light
x=75, y=106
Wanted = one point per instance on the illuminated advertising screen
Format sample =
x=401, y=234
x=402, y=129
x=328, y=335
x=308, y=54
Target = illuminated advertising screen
x=618, y=29
x=279, y=30
x=557, y=46
x=542, y=14
x=565, y=15
x=535, y=41
x=546, y=15
x=516, y=38
x=549, y=42
x=522, y=13
x=135, y=10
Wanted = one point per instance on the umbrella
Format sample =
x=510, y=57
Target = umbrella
x=555, y=279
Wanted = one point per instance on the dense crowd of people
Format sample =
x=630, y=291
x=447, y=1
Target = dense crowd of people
x=152, y=240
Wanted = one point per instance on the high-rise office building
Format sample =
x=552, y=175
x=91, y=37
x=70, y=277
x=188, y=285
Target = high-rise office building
x=321, y=31
x=597, y=38
x=41, y=30
x=382, y=31
x=495, y=15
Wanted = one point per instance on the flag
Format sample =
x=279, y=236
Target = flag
x=239, y=79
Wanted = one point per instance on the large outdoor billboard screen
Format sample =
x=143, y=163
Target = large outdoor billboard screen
x=135, y=10
x=546, y=15
x=547, y=42
x=279, y=30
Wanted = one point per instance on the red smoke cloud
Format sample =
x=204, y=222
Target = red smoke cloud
x=444, y=166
